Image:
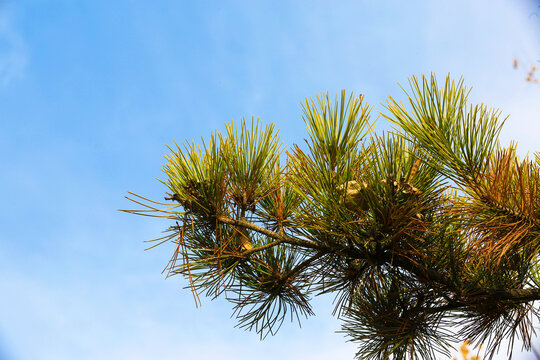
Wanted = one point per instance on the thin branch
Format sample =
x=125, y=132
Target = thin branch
x=262, y=247
x=513, y=296
x=283, y=238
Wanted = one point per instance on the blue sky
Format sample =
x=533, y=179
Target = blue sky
x=92, y=91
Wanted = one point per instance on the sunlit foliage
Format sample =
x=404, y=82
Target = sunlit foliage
x=427, y=234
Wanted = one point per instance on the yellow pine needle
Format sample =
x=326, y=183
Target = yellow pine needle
x=414, y=170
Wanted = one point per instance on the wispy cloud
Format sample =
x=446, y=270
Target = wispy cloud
x=13, y=50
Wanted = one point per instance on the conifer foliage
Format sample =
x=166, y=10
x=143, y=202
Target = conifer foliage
x=426, y=234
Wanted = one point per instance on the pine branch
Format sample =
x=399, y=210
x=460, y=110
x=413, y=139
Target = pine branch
x=371, y=219
x=279, y=237
x=489, y=297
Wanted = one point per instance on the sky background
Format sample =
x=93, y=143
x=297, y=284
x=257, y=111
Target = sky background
x=92, y=91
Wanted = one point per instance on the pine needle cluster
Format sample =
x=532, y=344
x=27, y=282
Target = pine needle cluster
x=427, y=234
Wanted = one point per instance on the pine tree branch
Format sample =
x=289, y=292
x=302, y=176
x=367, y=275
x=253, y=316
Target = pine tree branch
x=262, y=247
x=513, y=296
x=424, y=274
x=281, y=238
x=420, y=271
